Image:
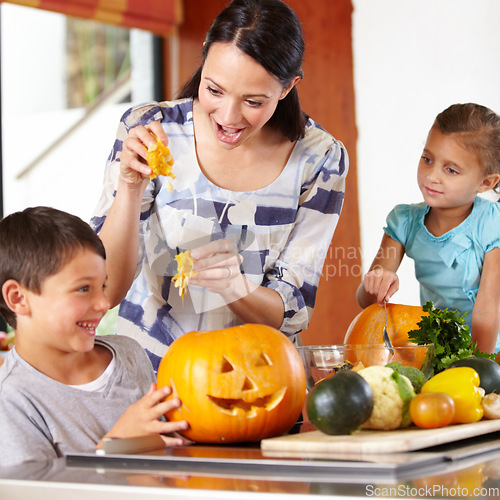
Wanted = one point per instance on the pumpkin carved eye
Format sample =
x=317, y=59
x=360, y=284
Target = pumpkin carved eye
x=263, y=360
x=226, y=366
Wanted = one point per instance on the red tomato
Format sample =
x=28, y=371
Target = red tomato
x=431, y=410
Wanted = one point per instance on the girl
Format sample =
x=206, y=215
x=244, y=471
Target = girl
x=454, y=236
x=257, y=195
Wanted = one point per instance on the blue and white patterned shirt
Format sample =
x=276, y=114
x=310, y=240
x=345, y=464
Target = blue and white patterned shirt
x=283, y=231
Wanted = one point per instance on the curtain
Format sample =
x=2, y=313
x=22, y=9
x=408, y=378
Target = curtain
x=157, y=16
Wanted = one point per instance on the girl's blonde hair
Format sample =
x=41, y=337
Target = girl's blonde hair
x=478, y=129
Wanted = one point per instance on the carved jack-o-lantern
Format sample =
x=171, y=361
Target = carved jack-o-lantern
x=244, y=383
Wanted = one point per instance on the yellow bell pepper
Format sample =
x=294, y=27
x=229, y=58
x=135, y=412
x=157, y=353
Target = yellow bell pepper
x=462, y=385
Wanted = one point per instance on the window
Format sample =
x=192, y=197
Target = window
x=65, y=84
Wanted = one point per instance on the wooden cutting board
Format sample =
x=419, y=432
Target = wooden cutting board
x=374, y=441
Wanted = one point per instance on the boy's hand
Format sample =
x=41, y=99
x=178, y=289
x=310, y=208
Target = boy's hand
x=381, y=283
x=142, y=418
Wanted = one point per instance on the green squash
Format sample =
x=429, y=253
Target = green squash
x=340, y=404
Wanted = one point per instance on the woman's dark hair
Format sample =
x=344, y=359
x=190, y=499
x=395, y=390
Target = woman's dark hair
x=36, y=243
x=478, y=129
x=269, y=32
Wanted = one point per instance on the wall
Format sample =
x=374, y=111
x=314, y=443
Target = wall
x=327, y=94
x=413, y=59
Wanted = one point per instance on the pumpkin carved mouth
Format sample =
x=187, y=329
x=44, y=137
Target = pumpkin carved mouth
x=249, y=409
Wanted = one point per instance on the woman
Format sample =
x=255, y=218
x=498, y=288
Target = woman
x=257, y=194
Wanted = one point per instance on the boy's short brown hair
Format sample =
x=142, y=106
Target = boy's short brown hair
x=36, y=243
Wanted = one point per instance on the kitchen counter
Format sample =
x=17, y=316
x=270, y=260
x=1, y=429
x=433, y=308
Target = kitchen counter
x=469, y=468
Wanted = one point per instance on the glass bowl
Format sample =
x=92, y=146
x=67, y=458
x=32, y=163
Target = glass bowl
x=418, y=356
x=322, y=360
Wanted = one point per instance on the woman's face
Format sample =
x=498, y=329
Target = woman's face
x=237, y=95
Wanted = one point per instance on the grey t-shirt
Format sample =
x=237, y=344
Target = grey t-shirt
x=41, y=418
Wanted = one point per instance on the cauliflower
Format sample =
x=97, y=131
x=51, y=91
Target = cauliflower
x=392, y=393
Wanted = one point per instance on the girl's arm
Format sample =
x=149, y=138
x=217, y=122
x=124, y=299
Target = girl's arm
x=486, y=312
x=381, y=281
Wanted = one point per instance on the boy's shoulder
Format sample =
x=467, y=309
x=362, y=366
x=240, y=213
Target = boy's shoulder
x=128, y=351
x=121, y=344
x=5, y=367
x=15, y=376
x=15, y=372
x=118, y=340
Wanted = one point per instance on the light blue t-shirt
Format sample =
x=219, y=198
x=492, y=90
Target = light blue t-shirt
x=448, y=267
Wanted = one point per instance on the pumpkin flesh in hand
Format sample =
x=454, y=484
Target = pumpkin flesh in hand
x=240, y=384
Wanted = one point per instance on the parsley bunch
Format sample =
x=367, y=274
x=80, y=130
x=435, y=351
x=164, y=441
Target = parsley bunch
x=450, y=335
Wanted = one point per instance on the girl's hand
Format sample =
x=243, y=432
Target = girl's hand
x=218, y=269
x=142, y=418
x=134, y=168
x=381, y=283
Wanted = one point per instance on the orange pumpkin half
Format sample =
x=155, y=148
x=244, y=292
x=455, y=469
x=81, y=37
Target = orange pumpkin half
x=366, y=329
x=240, y=384
x=367, y=326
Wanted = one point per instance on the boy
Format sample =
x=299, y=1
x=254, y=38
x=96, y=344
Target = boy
x=61, y=388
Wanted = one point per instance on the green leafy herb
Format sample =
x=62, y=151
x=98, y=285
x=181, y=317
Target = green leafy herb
x=449, y=333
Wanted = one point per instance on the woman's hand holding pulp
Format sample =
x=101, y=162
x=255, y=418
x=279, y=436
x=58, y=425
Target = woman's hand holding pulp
x=134, y=168
x=217, y=265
